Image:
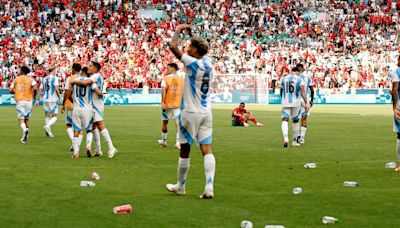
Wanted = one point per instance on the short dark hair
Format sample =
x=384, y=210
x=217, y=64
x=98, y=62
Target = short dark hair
x=242, y=103
x=200, y=44
x=299, y=65
x=295, y=69
x=76, y=67
x=97, y=65
x=85, y=70
x=173, y=65
x=25, y=70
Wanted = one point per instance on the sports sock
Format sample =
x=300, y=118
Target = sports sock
x=46, y=120
x=89, y=139
x=23, y=127
x=183, y=169
x=80, y=138
x=164, y=136
x=177, y=137
x=76, y=145
x=303, y=132
x=285, y=130
x=96, y=136
x=209, y=169
x=70, y=133
x=52, y=121
x=296, y=129
x=398, y=149
x=107, y=138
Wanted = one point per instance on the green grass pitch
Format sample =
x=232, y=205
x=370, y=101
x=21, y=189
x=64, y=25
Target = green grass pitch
x=39, y=182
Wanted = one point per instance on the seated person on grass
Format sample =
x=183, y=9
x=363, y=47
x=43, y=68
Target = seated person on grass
x=240, y=116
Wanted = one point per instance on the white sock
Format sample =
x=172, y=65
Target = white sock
x=296, y=128
x=46, y=120
x=177, y=137
x=23, y=127
x=285, y=130
x=70, y=133
x=80, y=138
x=96, y=136
x=209, y=169
x=183, y=169
x=398, y=149
x=52, y=121
x=107, y=138
x=164, y=136
x=89, y=139
x=303, y=132
x=76, y=145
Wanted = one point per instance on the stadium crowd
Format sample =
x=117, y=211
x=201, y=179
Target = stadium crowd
x=344, y=44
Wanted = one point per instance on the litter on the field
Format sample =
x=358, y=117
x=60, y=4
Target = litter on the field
x=310, y=165
x=297, y=190
x=275, y=226
x=246, y=224
x=329, y=220
x=95, y=176
x=123, y=209
x=390, y=165
x=350, y=184
x=87, y=184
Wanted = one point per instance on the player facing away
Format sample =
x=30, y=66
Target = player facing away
x=68, y=103
x=396, y=105
x=309, y=88
x=292, y=93
x=195, y=120
x=98, y=109
x=23, y=87
x=172, y=91
x=51, y=94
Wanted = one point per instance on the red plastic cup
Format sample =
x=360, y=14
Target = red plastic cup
x=123, y=209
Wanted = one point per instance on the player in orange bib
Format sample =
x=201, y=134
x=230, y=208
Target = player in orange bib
x=67, y=103
x=172, y=91
x=23, y=87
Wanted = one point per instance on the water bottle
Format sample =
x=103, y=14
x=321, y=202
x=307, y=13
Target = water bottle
x=297, y=190
x=329, y=220
x=390, y=165
x=87, y=184
x=310, y=166
x=274, y=226
x=350, y=184
x=246, y=224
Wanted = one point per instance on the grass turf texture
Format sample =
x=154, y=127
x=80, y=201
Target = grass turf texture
x=254, y=178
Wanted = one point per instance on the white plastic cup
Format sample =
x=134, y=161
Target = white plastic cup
x=390, y=165
x=297, y=190
x=329, y=220
x=87, y=184
x=310, y=166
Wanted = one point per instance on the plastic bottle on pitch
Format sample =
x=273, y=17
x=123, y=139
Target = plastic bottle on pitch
x=350, y=184
x=310, y=166
x=329, y=220
x=87, y=184
x=274, y=226
x=390, y=165
x=297, y=190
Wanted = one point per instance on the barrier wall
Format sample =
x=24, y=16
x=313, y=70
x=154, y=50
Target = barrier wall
x=127, y=97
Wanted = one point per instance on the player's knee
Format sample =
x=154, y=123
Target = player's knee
x=295, y=120
x=285, y=119
x=185, y=150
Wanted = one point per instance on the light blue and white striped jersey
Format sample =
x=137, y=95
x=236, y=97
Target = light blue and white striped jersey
x=98, y=102
x=396, y=78
x=48, y=87
x=82, y=95
x=307, y=81
x=196, y=91
x=291, y=94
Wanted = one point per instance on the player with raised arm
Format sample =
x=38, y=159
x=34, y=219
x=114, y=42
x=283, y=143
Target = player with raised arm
x=172, y=91
x=292, y=93
x=68, y=103
x=51, y=95
x=309, y=87
x=98, y=108
x=23, y=88
x=195, y=120
x=396, y=106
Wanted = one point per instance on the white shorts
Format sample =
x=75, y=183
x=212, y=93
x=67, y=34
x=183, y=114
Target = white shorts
x=24, y=109
x=98, y=114
x=170, y=112
x=291, y=113
x=82, y=119
x=303, y=110
x=396, y=125
x=50, y=107
x=68, y=117
x=195, y=127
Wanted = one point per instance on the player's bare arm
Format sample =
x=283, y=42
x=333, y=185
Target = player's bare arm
x=395, y=99
x=38, y=97
x=82, y=83
x=164, y=92
x=11, y=90
x=312, y=95
x=98, y=92
x=173, y=45
x=304, y=95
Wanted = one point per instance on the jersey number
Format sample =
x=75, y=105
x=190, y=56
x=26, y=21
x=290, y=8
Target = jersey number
x=206, y=84
x=290, y=87
x=80, y=91
x=46, y=87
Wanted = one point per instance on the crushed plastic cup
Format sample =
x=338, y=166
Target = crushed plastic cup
x=310, y=165
x=297, y=190
x=87, y=184
x=246, y=224
x=350, y=184
x=275, y=226
x=123, y=209
x=390, y=165
x=329, y=220
x=95, y=176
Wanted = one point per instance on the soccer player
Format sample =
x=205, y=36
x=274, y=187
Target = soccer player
x=98, y=108
x=76, y=69
x=292, y=93
x=309, y=87
x=396, y=107
x=195, y=121
x=51, y=95
x=23, y=87
x=240, y=116
x=172, y=91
